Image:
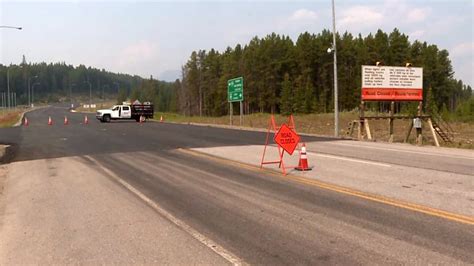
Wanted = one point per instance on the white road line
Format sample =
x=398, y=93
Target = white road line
x=349, y=159
x=415, y=152
x=180, y=224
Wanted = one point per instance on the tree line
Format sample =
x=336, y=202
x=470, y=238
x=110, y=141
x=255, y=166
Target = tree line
x=56, y=81
x=282, y=76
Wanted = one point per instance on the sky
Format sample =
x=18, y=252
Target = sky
x=157, y=37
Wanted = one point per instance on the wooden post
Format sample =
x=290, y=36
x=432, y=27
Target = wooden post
x=367, y=129
x=410, y=127
x=241, y=114
x=433, y=132
x=351, y=128
x=390, y=123
x=360, y=134
x=231, y=113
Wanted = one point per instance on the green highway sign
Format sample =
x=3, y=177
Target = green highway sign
x=235, y=89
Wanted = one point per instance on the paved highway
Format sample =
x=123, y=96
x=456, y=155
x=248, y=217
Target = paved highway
x=244, y=216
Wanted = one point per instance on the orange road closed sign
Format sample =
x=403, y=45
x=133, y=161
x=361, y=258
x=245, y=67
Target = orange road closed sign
x=287, y=139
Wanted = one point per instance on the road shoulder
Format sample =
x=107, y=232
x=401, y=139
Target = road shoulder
x=64, y=211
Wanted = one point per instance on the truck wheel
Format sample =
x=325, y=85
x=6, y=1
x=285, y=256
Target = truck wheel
x=106, y=118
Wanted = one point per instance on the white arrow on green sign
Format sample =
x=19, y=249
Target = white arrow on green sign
x=235, y=89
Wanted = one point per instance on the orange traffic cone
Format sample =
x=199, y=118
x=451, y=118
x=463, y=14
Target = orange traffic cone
x=86, y=120
x=66, y=122
x=161, y=119
x=50, y=121
x=25, y=123
x=303, y=164
x=142, y=119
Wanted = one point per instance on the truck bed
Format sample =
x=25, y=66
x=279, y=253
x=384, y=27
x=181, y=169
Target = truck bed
x=145, y=110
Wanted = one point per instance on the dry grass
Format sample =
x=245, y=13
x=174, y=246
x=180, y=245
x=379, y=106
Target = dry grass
x=323, y=124
x=9, y=118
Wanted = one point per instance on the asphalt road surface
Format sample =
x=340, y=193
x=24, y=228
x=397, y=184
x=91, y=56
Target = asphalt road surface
x=258, y=218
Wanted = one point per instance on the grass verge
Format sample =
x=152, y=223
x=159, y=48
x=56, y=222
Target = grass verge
x=323, y=124
x=8, y=118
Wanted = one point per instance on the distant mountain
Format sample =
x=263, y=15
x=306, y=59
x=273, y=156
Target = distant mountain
x=170, y=75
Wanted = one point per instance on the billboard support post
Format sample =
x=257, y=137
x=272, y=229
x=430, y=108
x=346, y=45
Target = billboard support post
x=390, y=123
x=241, y=113
x=360, y=132
x=230, y=113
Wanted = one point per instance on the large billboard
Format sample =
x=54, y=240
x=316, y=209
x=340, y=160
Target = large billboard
x=389, y=83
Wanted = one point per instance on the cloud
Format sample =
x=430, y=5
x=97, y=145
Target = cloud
x=463, y=49
x=298, y=21
x=142, y=58
x=360, y=16
x=417, y=14
x=463, y=63
x=417, y=34
x=137, y=53
x=389, y=13
x=303, y=14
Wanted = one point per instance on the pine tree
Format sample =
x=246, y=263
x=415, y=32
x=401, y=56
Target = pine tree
x=286, y=96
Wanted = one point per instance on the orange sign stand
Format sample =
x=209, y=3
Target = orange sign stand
x=286, y=138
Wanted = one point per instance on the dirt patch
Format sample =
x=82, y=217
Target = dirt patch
x=8, y=119
x=3, y=177
x=323, y=125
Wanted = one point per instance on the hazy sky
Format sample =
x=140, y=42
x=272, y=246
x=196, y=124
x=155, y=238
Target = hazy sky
x=157, y=37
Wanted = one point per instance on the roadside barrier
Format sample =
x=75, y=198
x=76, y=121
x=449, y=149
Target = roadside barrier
x=303, y=163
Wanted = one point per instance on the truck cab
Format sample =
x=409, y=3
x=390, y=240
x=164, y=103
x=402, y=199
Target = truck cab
x=121, y=112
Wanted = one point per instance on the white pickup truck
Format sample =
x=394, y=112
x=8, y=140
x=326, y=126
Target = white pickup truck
x=134, y=111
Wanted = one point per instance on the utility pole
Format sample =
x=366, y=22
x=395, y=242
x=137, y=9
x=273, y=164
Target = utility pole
x=118, y=87
x=3, y=102
x=33, y=93
x=90, y=93
x=29, y=90
x=8, y=87
x=336, y=105
x=8, y=68
x=200, y=92
x=70, y=93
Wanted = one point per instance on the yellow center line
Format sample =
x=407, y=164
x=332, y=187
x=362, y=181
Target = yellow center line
x=345, y=190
